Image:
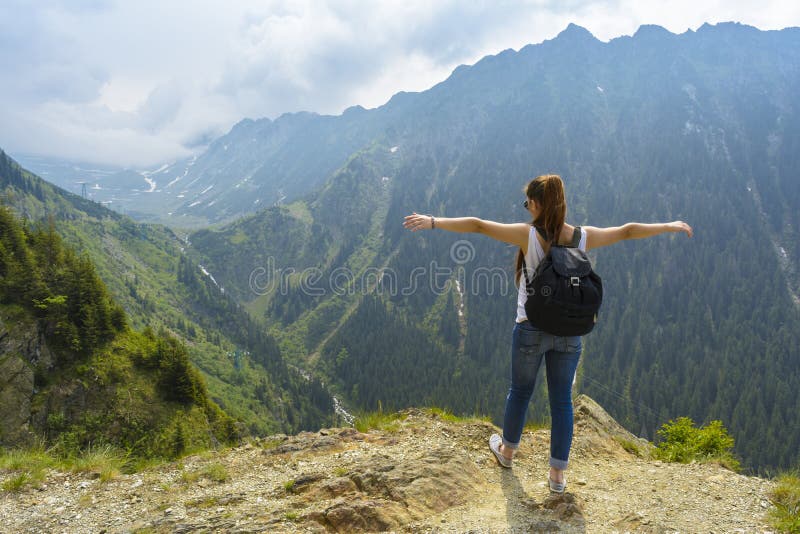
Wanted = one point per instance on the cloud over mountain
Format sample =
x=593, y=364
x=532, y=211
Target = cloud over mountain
x=141, y=83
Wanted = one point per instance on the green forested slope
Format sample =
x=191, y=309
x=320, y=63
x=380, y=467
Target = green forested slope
x=701, y=126
x=80, y=374
x=158, y=286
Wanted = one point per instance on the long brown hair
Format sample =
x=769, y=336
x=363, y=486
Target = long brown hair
x=548, y=191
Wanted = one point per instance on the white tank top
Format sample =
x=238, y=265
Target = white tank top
x=532, y=258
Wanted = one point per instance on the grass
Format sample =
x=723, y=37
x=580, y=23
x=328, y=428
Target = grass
x=629, y=446
x=269, y=444
x=340, y=471
x=18, y=482
x=35, y=458
x=139, y=464
x=446, y=415
x=785, y=516
x=214, y=471
x=190, y=477
x=32, y=464
x=388, y=422
x=104, y=461
x=533, y=426
x=205, y=502
x=289, y=486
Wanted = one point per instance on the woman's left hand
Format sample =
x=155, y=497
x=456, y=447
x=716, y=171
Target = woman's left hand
x=416, y=222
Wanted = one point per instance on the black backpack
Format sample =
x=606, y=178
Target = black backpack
x=564, y=294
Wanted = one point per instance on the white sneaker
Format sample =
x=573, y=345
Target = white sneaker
x=494, y=444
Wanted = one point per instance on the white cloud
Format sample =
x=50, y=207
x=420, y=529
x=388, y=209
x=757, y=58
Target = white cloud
x=137, y=83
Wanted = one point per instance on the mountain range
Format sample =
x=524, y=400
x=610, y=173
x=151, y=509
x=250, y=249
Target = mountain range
x=299, y=220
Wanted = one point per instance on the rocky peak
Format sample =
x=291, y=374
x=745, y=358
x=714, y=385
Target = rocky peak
x=653, y=32
x=575, y=33
x=423, y=473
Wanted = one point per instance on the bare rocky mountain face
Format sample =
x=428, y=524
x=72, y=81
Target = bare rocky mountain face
x=425, y=473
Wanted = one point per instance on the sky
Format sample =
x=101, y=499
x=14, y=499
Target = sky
x=145, y=82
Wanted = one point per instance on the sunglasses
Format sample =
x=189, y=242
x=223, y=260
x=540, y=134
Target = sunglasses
x=526, y=203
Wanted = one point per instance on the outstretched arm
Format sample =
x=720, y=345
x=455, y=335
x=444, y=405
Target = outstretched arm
x=514, y=233
x=602, y=237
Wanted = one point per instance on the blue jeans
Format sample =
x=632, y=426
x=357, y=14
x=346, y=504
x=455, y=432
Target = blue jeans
x=561, y=355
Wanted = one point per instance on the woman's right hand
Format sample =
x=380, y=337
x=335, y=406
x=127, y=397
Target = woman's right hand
x=680, y=226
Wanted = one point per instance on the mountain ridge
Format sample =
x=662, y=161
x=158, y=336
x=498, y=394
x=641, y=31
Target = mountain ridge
x=698, y=127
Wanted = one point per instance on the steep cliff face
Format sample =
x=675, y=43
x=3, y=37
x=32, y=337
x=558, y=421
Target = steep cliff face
x=22, y=351
x=422, y=472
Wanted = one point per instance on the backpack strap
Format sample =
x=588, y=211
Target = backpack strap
x=542, y=232
x=576, y=237
x=525, y=274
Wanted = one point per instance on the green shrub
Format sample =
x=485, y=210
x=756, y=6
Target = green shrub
x=683, y=442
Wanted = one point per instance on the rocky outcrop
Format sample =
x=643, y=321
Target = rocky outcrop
x=424, y=474
x=22, y=351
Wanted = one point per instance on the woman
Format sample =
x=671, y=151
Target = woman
x=547, y=205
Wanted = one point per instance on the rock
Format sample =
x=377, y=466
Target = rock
x=563, y=506
x=632, y=521
x=565, y=511
x=365, y=516
x=330, y=489
x=23, y=350
x=302, y=483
